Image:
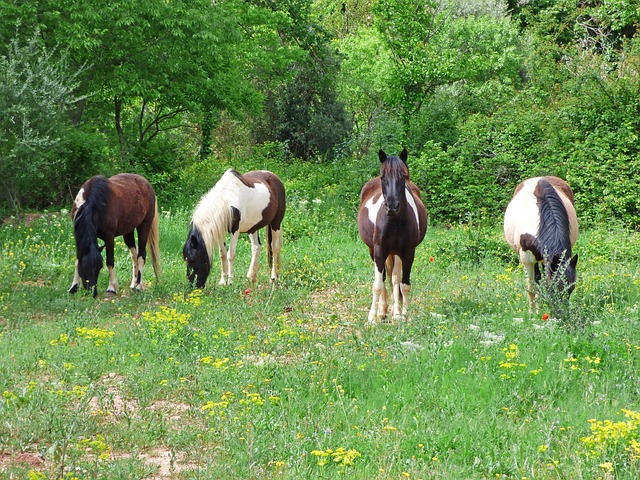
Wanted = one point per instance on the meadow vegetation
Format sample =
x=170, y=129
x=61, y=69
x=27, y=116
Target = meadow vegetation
x=287, y=381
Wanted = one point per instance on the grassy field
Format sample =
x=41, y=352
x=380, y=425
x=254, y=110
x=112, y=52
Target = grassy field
x=287, y=381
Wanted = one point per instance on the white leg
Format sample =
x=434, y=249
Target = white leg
x=528, y=266
x=396, y=278
x=252, y=274
x=133, y=252
x=406, y=292
x=224, y=264
x=140, y=270
x=276, y=248
x=378, y=290
x=76, y=280
x=113, y=281
x=231, y=255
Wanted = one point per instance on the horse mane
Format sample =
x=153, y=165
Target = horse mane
x=394, y=165
x=96, y=198
x=212, y=216
x=553, y=231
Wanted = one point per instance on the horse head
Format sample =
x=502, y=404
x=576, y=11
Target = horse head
x=196, y=257
x=393, y=176
x=89, y=266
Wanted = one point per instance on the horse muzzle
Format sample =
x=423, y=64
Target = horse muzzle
x=392, y=211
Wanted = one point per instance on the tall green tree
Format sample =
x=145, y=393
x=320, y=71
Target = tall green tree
x=153, y=67
x=35, y=87
x=434, y=44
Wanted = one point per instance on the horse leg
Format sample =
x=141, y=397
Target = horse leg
x=396, y=277
x=141, y=258
x=224, y=264
x=276, y=248
x=405, y=286
x=252, y=274
x=528, y=264
x=378, y=290
x=130, y=242
x=76, y=280
x=113, y=280
x=231, y=255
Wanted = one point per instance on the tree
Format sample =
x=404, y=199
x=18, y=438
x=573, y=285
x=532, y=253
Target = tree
x=35, y=88
x=155, y=67
x=434, y=44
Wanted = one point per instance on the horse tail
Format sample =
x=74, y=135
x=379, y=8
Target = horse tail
x=269, y=247
x=154, y=243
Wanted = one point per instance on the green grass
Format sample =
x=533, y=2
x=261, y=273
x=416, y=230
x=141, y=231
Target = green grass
x=287, y=381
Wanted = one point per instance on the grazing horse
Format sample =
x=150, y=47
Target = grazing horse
x=236, y=204
x=541, y=225
x=109, y=208
x=392, y=221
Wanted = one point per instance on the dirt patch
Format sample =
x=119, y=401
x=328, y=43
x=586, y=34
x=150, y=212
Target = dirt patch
x=113, y=404
x=33, y=460
x=168, y=462
x=27, y=219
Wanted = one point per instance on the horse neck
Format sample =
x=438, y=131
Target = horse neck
x=213, y=217
x=85, y=230
x=553, y=231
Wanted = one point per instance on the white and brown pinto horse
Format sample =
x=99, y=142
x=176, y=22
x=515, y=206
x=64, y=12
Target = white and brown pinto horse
x=236, y=204
x=392, y=221
x=541, y=225
x=109, y=208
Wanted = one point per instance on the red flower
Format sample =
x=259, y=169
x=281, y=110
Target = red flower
x=431, y=259
x=545, y=317
x=247, y=291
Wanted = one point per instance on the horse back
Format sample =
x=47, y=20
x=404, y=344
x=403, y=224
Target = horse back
x=522, y=216
x=272, y=210
x=131, y=203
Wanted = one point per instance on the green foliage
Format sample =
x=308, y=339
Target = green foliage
x=35, y=87
x=260, y=380
x=306, y=115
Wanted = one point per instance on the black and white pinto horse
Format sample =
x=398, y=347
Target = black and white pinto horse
x=236, y=204
x=541, y=225
x=392, y=221
x=109, y=208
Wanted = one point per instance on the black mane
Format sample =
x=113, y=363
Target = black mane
x=96, y=199
x=553, y=231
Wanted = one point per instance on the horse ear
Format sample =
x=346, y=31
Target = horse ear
x=403, y=155
x=382, y=156
x=574, y=261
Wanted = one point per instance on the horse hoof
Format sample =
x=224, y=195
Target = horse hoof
x=73, y=289
x=109, y=293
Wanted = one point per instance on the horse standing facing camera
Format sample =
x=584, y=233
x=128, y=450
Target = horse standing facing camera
x=392, y=222
x=109, y=208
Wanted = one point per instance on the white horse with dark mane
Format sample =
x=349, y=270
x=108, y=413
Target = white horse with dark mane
x=541, y=225
x=236, y=204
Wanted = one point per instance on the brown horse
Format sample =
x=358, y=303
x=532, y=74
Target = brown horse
x=392, y=221
x=108, y=208
x=236, y=204
x=541, y=225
